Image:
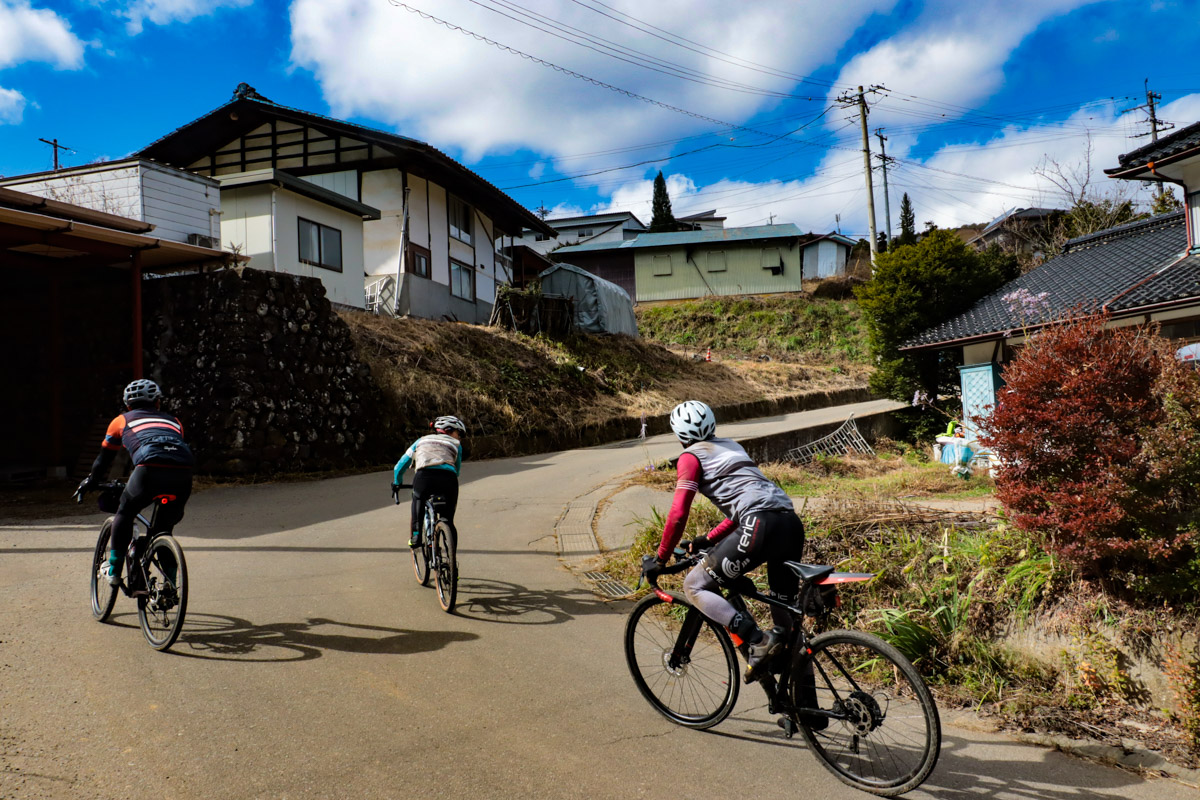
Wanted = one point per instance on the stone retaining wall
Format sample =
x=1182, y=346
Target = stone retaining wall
x=260, y=369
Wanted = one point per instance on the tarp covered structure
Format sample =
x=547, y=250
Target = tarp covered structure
x=600, y=306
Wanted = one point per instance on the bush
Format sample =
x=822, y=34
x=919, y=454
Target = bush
x=1099, y=432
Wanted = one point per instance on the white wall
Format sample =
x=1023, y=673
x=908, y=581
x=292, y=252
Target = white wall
x=177, y=203
x=384, y=190
x=247, y=226
x=344, y=183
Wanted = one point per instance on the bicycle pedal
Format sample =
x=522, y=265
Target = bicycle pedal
x=788, y=725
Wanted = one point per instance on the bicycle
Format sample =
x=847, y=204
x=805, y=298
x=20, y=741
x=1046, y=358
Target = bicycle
x=155, y=569
x=438, y=552
x=860, y=705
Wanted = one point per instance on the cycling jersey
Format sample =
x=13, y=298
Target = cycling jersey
x=723, y=472
x=152, y=437
x=435, y=451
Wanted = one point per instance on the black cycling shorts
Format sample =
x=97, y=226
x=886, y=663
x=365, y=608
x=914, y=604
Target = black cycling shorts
x=763, y=536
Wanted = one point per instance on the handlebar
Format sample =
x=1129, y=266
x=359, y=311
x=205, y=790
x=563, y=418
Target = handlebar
x=84, y=488
x=396, y=487
x=683, y=561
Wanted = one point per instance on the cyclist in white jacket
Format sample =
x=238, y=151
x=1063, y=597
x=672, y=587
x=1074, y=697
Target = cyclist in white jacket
x=438, y=460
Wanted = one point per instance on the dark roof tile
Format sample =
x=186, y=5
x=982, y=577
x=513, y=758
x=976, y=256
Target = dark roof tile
x=1115, y=266
x=1177, y=142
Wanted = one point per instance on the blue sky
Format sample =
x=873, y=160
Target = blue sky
x=978, y=94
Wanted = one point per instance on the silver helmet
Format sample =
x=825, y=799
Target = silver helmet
x=141, y=391
x=693, y=421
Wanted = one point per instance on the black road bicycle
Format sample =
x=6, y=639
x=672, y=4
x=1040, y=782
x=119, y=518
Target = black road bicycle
x=437, y=554
x=155, y=570
x=861, y=705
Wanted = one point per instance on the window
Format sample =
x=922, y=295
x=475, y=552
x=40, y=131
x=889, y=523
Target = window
x=541, y=237
x=460, y=219
x=418, y=261
x=716, y=261
x=1193, y=212
x=320, y=245
x=584, y=233
x=462, y=280
x=662, y=265
x=771, y=260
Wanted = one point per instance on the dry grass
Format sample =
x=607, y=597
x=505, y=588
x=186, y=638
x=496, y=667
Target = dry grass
x=507, y=384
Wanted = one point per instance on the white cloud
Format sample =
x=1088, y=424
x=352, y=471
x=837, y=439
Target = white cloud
x=954, y=52
x=450, y=89
x=36, y=34
x=964, y=183
x=12, y=106
x=164, y=12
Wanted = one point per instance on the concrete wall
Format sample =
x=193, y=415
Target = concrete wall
x=421, y=297
x=696, y=271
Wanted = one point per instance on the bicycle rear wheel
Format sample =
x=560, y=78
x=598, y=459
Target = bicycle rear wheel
x=103, y=595
x=884, y=734
x=683, y=663
x=445, y=559
x=420, y=556
x=162, y=608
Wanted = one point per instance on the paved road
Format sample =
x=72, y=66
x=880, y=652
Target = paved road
x=313, y=666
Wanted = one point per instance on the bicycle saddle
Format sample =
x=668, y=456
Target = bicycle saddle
x=808, y=572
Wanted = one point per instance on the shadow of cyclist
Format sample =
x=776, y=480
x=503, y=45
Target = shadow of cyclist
x=225, y=638
x=512, y=604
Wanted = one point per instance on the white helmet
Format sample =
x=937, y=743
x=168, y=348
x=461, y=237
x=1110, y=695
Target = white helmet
x=693, y=422
x=449, y=424
x=141, y=392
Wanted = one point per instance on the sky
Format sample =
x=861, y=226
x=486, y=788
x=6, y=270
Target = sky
x=573, y=106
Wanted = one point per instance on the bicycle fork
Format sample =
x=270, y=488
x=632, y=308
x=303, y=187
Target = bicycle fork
x=681, y=654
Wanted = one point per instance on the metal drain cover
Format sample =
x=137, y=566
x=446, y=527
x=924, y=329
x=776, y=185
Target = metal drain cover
x=607, y=585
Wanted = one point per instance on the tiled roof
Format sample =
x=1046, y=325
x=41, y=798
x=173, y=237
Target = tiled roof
x=679, y=238
x=1116, y=267
x=1179, y=141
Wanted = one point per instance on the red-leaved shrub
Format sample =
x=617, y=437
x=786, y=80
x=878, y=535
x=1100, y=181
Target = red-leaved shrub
x=1099, y=432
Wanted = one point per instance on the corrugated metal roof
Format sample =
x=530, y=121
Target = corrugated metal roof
x=682, y=238
x=592, y=219
x=1118, y=267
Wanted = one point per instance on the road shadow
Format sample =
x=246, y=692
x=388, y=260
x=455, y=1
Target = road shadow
x=220, y=637
x=488, y=600
x=1009, y=769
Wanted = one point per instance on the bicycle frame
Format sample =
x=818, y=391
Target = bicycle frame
x=738, y=592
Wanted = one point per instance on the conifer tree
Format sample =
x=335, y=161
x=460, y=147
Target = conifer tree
x=662, y=219
x=908, y=222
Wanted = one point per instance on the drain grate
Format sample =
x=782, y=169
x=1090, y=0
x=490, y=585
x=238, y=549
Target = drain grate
x=607, y=585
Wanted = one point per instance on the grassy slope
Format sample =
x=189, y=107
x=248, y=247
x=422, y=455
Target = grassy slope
x=796, y=328
x=505, y=384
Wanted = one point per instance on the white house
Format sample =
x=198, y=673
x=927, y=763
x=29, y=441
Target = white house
x=182, y=206
x=617, y=227
x=431, y=229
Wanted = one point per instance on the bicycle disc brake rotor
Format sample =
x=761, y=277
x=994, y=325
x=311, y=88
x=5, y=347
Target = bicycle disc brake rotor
x=863, y=713
x=678, y=670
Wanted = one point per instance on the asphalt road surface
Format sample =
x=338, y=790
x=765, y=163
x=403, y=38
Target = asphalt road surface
x=312, y=665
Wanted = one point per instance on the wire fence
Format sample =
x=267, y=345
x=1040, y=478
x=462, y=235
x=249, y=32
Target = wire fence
x=846, y=439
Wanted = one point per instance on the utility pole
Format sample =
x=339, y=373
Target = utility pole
x=887, y=201
x=54, y=143
x=849, y=99
x=770, y=219
x=1156, y=124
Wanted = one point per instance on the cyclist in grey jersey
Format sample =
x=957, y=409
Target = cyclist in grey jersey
x=766, y=525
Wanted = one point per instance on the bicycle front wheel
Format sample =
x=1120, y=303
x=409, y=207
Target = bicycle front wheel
x=683, y=663
x=103, y=595
x=882, y=733
x=162, y=608
x=445, y=559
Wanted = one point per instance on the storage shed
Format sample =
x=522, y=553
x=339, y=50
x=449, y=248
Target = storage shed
x=600, y=306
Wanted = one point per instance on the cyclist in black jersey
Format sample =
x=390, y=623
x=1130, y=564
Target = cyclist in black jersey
x=162, y=466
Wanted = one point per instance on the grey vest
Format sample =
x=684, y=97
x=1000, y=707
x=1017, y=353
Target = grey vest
x=434, y=450
x=730, y=479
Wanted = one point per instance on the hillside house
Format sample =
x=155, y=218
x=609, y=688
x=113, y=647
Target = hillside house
x=357, y=207
x=619, y=226
x=1145, y=271
x=763, y=259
